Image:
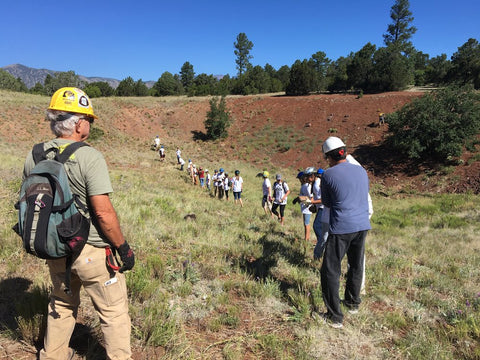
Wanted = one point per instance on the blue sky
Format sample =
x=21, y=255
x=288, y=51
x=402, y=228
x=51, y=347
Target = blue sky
x=143, y=39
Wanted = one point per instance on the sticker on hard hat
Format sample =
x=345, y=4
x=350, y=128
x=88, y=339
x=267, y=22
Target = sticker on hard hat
x=83, y=101
x=68, y=95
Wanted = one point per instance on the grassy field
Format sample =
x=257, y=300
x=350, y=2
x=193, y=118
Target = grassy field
x=234, y=284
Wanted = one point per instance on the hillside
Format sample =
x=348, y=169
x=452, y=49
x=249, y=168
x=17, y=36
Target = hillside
x=269, y=131
x=216, y=281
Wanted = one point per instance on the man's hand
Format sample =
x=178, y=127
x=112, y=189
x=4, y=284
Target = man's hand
x=306, y=201
x=127, y=256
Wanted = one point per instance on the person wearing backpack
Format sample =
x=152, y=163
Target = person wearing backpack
x=280, y=193
x=306, y=197
x=95, y=268
x=227, y=183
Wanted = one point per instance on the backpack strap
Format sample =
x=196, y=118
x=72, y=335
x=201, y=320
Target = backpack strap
x=63, y=157
x=68, y=151
x=38, y=153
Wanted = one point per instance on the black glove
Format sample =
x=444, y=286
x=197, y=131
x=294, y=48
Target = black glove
x=296, y=200
x=127, y=256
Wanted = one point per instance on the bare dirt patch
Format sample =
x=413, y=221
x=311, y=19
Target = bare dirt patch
x=298, y=124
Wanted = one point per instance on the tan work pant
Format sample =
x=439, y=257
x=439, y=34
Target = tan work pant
x=109, y=297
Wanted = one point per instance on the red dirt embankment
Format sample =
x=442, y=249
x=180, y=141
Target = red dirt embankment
x=304, y=122
x=311, y=119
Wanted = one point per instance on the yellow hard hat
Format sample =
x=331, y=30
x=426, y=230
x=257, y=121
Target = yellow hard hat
x=73, y=100
x=266, y=174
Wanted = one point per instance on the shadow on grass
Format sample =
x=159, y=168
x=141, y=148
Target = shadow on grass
x=276, y=244
x=23, y=315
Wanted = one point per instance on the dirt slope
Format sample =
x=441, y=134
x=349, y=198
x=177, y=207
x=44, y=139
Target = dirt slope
x=270, y=131
x=281, y=131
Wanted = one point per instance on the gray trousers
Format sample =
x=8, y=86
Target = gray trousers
x=353, y=245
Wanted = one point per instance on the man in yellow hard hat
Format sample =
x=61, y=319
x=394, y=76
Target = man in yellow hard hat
x=71, y=115
x=381, y=118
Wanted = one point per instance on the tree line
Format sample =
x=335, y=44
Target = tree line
x=371, y=69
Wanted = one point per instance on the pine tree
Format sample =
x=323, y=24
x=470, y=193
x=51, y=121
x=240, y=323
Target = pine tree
x=242, y=52
x=400, y=31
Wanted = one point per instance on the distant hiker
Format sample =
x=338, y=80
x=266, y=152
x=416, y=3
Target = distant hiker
x=71, y=116
x=208, y=179
x=182, y=163
x=215, y=182
x=190, y=169
x=227, y=182
x=237, y=187
x=306, y=197
x=179, y=153
x=220, y=183
x=319, y=226
x=161, y=152
x=344, y=189
x=381, y=119
x=201, y=177
x=194, y=174
x=267, y=194
x=156, y=142
x=280, y=194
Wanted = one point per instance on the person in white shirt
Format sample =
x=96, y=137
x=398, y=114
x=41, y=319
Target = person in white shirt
x=320, y=226
x=306, y=197
x=280, y=194
x=237, y=187
x=267, y=194
x=215, y=182
x=226, y=185
x=179, y=153
x=182, y=163
x=221, y=183
x=156, y=142
x=161, y=152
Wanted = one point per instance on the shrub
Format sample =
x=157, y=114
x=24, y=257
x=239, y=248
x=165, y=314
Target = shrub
x=436, y=126
x=218, y=119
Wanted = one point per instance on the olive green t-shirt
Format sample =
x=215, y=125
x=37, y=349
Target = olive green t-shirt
x=87, y=174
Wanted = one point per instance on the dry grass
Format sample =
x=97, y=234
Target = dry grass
x=234, y=284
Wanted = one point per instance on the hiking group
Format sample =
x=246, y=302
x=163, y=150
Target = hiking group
x=92, y=237
x=217, y=184
x=339, y=196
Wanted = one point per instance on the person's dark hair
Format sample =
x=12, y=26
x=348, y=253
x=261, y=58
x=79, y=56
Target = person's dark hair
x=338, y=154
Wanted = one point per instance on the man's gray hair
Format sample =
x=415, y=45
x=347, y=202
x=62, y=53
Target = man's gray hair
x=62, y=123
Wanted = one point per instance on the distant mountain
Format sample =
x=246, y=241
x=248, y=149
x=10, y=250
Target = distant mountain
x=31, y=76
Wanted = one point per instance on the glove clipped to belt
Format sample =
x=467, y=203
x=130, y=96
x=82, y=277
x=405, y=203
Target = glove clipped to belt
x=296, y=200
x=127, y=256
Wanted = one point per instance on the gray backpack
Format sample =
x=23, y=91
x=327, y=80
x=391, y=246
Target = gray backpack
x=49, y=222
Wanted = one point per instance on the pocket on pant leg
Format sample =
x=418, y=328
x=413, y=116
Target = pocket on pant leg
x=114, y=290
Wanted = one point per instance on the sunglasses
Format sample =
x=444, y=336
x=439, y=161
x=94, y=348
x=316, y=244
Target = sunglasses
x=89, y=119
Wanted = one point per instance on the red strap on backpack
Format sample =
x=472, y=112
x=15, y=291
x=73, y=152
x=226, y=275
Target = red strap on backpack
x=110, y=259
